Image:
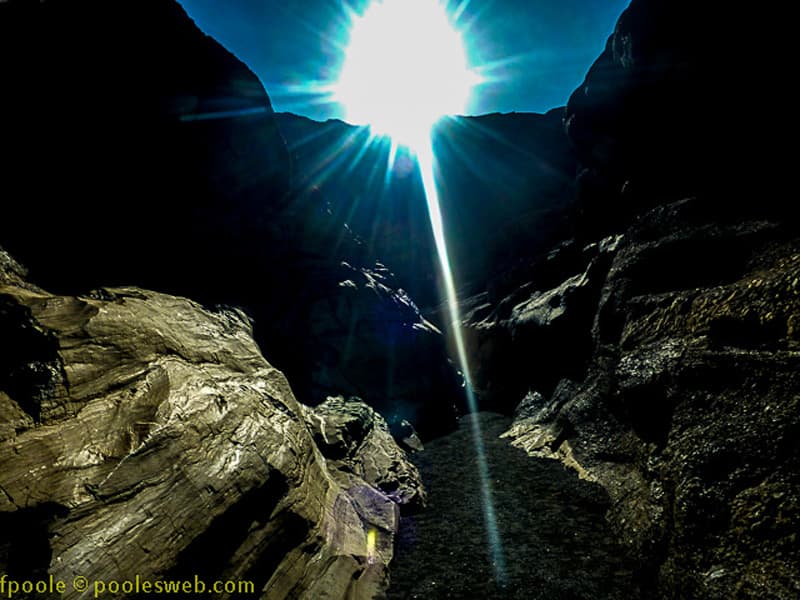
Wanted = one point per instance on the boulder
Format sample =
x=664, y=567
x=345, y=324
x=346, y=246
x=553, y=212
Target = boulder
x=355, y=439
x=143, y=435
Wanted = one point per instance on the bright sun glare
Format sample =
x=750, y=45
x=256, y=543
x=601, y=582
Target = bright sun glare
x=405, y=67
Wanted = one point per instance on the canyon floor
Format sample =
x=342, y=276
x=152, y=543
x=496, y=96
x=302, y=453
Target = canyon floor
x=555, y=541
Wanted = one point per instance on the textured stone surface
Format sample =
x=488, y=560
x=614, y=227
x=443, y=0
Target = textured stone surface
x=11, y=272
x=535, y=336
x=141, y=431
x=688, y=413
x=678, y=391
x=355, y=439
x=141, y=434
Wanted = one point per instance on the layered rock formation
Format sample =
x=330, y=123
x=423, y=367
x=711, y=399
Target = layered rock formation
x=138, y=151
x=142, y=435
x=541, y=331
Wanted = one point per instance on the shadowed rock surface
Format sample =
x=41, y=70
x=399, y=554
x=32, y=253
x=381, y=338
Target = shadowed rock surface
x=538, y=334
x=507, y=182
x=141, y=149
x=652, y=121
x=688, y=412
x=142, y=435
x=369, y=339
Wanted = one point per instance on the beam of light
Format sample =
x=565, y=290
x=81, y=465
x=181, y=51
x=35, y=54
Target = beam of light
x=405, y=68
x=426, y=161
x=224, y=114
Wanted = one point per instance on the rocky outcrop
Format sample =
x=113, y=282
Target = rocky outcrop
x=688, y=413
x=143, y=435
x=508, y=183
x=538, y=334
x=356, y=440
x=497, y=218
x=142, y=150
x=138, y=151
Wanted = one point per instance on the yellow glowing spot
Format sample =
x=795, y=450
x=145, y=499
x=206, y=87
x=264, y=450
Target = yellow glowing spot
x=405, y=67
x=372, y=538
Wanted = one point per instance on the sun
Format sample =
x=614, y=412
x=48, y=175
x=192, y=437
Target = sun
x=404, y=68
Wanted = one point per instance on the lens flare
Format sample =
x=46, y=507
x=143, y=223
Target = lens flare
x=372, y=554
x=426, y=159
x=405, y=68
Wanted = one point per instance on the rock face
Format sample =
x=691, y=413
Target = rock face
x=507, y=181
x=141, y=434
x=372, y=341
x=653, y=122
x=356, y=440
x=142, y=150
x=540, y=332
x=507, y=188
x=657, y=352
x=138, y=151
x=688, y=410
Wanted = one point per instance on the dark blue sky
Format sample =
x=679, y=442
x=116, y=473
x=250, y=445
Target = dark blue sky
x=540, y=49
